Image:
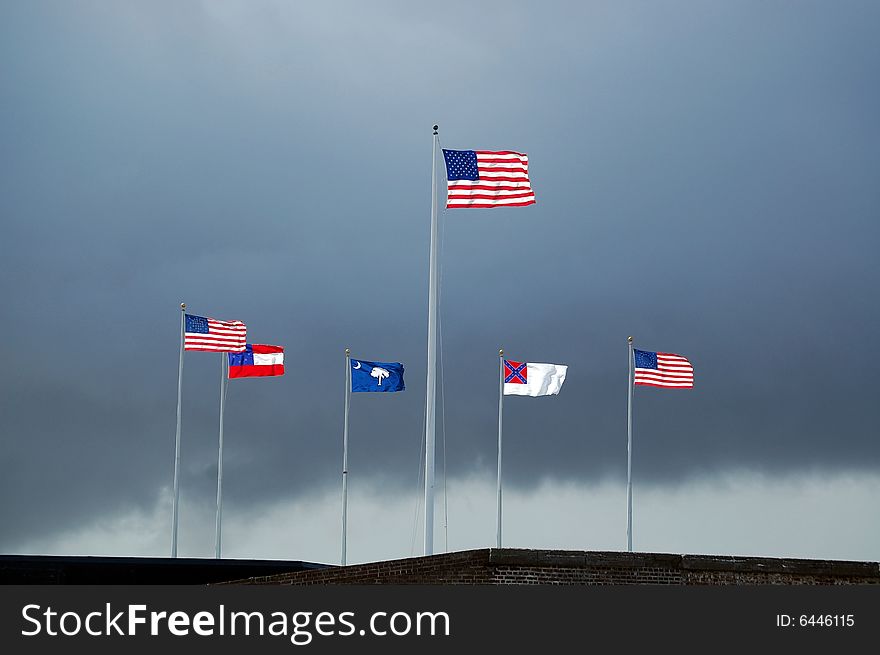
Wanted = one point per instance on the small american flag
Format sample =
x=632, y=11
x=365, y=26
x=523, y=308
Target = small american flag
x=215, y=336
x=662, y=370
x=484, y=178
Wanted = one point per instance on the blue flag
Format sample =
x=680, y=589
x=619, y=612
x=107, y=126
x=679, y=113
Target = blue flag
x=376, y=376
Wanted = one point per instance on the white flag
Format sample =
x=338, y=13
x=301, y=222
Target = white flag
x=530, y=379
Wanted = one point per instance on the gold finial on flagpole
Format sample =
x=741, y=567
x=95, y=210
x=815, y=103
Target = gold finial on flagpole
x=500, y=352
x=629, y=339
x=182, y=306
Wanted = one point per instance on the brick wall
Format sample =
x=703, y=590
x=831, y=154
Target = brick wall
x=509, y=566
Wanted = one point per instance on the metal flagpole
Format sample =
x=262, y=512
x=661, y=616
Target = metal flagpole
x=345, y=454
x=500, y=407
x=629, y=439
x=432, y=360
x=223, y=385
x=177, y=438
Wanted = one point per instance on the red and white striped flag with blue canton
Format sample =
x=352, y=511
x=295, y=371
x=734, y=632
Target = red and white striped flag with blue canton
x=209, y=334
x=662, y=370
x=486, y=178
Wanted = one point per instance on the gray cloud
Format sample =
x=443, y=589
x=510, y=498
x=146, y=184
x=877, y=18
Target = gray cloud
x=706, y=181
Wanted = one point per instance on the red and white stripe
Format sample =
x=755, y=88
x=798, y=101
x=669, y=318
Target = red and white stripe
x=268, y=361
x=672, y=371
x=222, y=337
x=504, y=181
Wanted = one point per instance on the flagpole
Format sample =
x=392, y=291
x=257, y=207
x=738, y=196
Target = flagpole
x=432, y=360
x=629, y=437
x=174, y=502
x=500, y=413
x=223, y=383
x=345, y=454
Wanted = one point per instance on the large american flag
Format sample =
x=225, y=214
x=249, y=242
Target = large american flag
x=212, y=335
x=662, y=370
x=485, y=178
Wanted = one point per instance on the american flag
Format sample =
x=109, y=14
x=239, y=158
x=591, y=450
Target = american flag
x=485, y=178
x=212, y=335
x=663, y=370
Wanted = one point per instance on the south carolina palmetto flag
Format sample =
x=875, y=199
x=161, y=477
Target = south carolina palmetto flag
x=531, y=379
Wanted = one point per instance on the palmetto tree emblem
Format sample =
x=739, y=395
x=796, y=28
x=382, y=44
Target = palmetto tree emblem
x=379, y=373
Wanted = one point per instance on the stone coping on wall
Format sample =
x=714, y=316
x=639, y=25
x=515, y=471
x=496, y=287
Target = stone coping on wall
x=615, y=559
x=534, y=566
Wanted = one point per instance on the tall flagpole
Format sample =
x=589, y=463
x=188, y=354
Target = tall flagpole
x=223, y=384
x=345, y=454
x=500, y=407
x=432, y=360
x=177, y=438
x=629, y=440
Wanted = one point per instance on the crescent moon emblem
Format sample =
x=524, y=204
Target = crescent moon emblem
x=357, y=367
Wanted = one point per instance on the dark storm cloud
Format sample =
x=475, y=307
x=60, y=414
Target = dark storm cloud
x=706, y=181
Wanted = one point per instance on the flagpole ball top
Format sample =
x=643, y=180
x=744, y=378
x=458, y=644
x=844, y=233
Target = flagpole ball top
x=500, y=352
x=436, y=127
x=347, y=351
x=182, y=306
x=629, y=339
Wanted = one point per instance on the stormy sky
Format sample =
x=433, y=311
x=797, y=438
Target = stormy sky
x=706, y=178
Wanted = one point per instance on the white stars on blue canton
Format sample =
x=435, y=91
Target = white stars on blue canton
x=461, y=165
x=245, y=358
x=198, y=324
x=645, y=359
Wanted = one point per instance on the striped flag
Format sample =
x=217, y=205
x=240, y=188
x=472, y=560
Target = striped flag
x=662, y=370
x=214, y=336
x=257, y=361
x=485, y=178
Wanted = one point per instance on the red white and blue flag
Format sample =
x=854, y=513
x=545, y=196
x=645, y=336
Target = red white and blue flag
x=662, y=370
x=209, y=334
x=257, y=361
x=531, y=379
x=486, y=178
